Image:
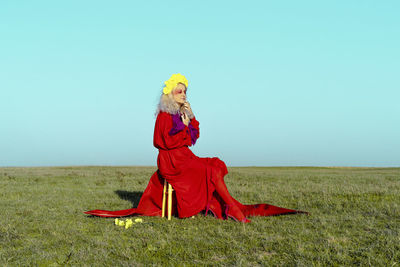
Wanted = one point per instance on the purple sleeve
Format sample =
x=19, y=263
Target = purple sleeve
x=177, y=124
x=193, y=133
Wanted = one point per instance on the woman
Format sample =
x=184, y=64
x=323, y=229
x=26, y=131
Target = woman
x=198, y=182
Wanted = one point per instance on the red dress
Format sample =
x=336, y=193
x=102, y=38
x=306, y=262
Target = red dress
x=190, y=176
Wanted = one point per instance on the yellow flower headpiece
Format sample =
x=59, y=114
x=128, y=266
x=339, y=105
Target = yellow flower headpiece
x=173, y=81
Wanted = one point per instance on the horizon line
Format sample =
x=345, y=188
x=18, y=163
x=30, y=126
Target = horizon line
x=234, y=166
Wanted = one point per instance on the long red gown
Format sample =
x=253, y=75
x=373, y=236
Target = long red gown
x=190, y=176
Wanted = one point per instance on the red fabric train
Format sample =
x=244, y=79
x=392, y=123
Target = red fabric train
x=193, y=178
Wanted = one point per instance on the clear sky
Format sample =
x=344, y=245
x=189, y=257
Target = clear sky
x=272, y=83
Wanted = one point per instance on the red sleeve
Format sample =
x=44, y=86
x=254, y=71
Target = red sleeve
x=162, y=139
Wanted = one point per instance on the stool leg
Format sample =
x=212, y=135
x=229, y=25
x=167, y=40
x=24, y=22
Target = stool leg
x=169, y=201
x=164, y=199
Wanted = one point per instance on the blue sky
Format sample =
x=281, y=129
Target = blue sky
x=272, y=83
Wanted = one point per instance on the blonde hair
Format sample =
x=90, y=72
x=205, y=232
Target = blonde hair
x=167, y=103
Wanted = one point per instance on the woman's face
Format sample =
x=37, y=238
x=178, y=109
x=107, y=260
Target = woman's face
x=179, y=94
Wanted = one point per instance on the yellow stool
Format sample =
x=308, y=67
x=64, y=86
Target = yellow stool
x=169, y=193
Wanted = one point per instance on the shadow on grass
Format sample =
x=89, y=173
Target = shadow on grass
x=133, y=197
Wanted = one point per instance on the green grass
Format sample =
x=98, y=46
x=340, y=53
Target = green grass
x=355, y=219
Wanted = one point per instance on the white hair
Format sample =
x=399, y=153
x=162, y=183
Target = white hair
x=167, y=104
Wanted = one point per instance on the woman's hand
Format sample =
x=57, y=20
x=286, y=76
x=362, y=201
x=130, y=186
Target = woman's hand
x=185, y=118
x=187, y=106
x=188, y=109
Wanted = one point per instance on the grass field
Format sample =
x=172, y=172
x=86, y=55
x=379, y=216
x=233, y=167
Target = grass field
x=355, y=219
